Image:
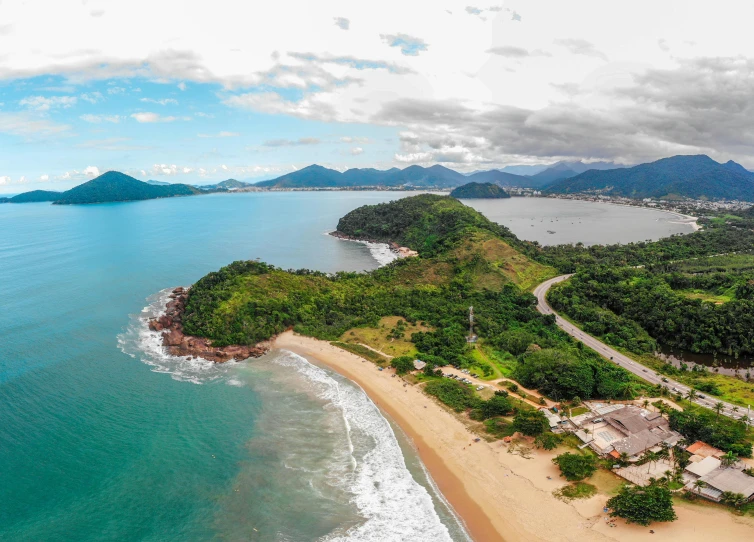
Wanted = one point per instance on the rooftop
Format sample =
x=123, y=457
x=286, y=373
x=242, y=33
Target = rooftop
x=730, y=479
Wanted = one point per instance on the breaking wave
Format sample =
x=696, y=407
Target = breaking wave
x=372, y=468
x=140, y=342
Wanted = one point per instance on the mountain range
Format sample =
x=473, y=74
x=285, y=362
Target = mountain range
x=690, y=176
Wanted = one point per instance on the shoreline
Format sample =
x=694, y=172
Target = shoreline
x=499, y=495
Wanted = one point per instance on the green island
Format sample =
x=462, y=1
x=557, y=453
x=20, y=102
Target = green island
x=417, y=308
x=479, y=191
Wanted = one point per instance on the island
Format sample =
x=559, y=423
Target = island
x=479, y=191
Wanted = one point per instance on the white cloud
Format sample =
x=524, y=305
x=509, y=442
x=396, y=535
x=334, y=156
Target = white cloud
x=472, y=83
x=356, y=151
x=92, y=97
x=91, y=171
x=44, y=178
x=97, y=119
x=43, y=103
x=164, y=101
x=4, y=179
x=342, y=23
x=147, y=117
x=30, y=127
x=116, y=90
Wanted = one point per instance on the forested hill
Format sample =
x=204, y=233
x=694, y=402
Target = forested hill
x=426, y=223
x=680, y=176
x=479, y=190
x=114, y=186
x=35, y=196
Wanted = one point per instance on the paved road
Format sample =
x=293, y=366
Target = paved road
x=616, y=357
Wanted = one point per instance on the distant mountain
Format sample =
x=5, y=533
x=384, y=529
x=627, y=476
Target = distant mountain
x=158, y=183
x=479, y=191
x=316, y=176
x=525, y=170
x=35, y=196
x=230, y=184
x=4, y=200
x=114, y=186
x=500, y=178
x=550, y=175
x=697, y=176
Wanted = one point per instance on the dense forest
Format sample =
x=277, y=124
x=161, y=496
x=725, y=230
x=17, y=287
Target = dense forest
x=479, y=191
x=464, y=260
x=708, y=312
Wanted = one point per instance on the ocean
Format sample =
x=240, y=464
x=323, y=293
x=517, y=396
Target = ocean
x=105, y=437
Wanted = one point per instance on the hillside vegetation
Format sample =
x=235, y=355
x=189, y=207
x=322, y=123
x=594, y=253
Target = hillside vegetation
x=479, y=191
x=35, y=196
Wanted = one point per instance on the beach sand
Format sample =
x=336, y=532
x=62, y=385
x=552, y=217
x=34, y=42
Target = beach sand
x=501, y=495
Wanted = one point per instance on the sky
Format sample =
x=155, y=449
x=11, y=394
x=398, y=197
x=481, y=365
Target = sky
x=198, y=92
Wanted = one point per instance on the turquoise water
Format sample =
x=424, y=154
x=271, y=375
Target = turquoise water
x=103, y=437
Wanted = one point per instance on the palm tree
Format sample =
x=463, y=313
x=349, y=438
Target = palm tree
x=623, y=458
x=699, y=485
x=651, y=457
x=719, y=406
x=734, y=409
x=729, y=459
x=691, y=395
x=645, y=404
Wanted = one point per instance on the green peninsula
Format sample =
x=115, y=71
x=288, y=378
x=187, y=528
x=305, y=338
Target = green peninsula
x=479, y=191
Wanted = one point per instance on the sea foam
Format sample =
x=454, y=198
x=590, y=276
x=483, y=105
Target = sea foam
x=394, y=506
x=138, y=341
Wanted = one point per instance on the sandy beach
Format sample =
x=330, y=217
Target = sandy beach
x=501, y=495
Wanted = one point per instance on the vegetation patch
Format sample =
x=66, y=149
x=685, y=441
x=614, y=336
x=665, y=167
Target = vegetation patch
x=362, y=351
x=579, y=490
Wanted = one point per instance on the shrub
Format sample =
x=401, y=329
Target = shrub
x=643, y=505
x=457, y=396
x=402, y=364
x=547, y=441
x=575, y=467
x=530, y=422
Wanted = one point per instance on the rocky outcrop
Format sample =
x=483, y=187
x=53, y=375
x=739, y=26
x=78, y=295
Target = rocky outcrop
x=402, y=252
x=179, y=344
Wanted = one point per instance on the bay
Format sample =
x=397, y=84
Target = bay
x=102, y=437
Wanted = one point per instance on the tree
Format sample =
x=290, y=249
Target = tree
x=729, y=459
x=547, y=441
x=699, y=485
x=691, y=395
x=733, y=499
x=402, y=364
x=575, y=467
x=530, y=422
x=651, y=457
x=719, y=406
x=497, y=405
x=643, y=505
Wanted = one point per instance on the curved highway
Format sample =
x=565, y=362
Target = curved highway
x=620, y=359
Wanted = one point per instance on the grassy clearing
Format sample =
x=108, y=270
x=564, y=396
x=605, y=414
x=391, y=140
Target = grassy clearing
x=483, y=366
x=379, y=339
x=732, y=389
x=704, y=295
x=362, y=351
x=578, y=490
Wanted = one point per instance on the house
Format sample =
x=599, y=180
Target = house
x=552, y=418
x=419, y=364
x=628, y=430
x=721, y=480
